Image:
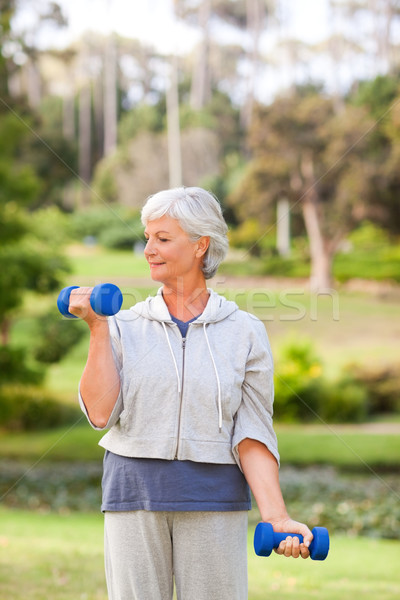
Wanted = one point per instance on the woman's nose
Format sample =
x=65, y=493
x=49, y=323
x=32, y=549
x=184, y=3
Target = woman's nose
x=148, y=249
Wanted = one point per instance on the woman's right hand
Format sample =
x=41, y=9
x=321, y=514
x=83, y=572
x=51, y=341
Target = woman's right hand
x=79, y=306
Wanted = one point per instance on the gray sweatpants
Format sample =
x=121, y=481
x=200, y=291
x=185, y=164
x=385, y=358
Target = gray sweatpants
x=205, y=552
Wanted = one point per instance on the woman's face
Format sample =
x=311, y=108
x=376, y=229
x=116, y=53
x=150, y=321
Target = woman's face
x=172, y=256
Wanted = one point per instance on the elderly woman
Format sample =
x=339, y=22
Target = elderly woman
x=184, y=383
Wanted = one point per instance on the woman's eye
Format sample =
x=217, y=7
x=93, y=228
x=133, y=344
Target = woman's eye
x=163, y=239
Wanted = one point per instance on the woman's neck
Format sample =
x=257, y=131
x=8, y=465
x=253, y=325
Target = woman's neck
x=185, y=304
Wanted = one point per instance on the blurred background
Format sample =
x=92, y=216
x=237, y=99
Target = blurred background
x=289, y=112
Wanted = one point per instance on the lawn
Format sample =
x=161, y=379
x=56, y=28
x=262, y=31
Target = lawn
x=299, y=444
x=60, y=557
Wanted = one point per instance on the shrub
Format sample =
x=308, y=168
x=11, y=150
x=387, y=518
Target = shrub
x=122, y=236
x=30, y=408
x=118, y=229
x=14, y=367
x=344, y=401
x=383, y=385
x=302, y=393
x=298, y=382
x=56, y=337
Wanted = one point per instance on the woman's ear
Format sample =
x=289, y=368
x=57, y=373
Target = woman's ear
x=202, y=245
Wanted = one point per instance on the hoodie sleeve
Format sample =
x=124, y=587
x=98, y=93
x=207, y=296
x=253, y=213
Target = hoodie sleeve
x=254, y=416
x=117, y=355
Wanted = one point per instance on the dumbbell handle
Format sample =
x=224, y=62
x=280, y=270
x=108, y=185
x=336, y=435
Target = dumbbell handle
x=266, y=539
x=105, y=300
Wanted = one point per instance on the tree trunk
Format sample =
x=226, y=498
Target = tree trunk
x=85, y=142
x=283, y=227
x=255, y=18
x=110, y=97
x=33, y=83
x=321, y=253
x=174, y=134
x=69, y=116
x=200, y=90
x=321, y=257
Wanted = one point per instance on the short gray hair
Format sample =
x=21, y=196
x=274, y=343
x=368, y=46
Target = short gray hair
x=199, y=214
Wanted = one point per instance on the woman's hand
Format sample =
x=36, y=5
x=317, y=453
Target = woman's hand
x=79, y=305
x=291, y=546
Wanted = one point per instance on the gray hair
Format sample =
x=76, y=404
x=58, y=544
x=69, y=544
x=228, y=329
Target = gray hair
x=199, y=214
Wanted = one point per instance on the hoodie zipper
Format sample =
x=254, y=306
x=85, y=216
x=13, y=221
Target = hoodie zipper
x=180, y=399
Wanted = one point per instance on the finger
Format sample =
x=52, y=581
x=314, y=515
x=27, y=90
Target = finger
x=304, y=551
x=296, y=547
x=79, y=300
x=281, y=548
x=288, y=546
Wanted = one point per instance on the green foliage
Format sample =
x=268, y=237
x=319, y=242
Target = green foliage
x=377, y=94
x=303, y=393
x=118, y=229
x=32, y=408
x=250, y=235
x=383, y=385
x=343, y=401
x=355, y=259
x=144, y=117
x=55, y=337
x=52, y=156
x=14, y=367
x=298, y=383
x=368, y=236
x=30, y=249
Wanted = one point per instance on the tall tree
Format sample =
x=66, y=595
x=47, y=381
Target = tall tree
x=304, y=150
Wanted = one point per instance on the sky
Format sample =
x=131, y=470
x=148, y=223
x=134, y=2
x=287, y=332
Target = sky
x=152, y=22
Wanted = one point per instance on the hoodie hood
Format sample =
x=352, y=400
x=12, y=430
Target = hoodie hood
x=155, y=309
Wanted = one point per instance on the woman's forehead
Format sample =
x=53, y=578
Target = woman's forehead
x=165, y=224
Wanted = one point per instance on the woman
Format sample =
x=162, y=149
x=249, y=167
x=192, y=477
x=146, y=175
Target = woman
x=184, y=383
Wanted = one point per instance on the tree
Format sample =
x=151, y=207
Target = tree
x=318, y=159
x=30, y=261
x=381, y=98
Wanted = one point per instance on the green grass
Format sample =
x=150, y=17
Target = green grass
x=47, y=556
x=61, y=557
x=97, y=262
x=77, y=442
x=337, y=446
x=298, y=444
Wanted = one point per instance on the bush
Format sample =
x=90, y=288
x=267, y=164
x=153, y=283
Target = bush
x=56, y=337
x=118, y=229
x=14, y=368
x=122, y=236
x=344, y=401
x=31, y=408
x=298, y=383
x=302, y=393
x=383, y=385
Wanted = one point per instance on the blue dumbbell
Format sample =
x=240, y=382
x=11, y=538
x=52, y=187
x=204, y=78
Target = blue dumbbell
x=266, y=539
x=105, y=300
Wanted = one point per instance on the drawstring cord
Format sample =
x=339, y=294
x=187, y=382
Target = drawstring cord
x=218, y=382
x=214, y=365
x=173, y=357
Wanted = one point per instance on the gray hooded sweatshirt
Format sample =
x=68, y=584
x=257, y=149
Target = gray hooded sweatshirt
x=195, y=398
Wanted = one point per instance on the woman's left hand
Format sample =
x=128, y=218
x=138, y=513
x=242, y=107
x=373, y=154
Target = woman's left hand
x=291, y=545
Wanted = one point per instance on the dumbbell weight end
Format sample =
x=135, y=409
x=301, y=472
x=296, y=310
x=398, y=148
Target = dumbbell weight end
x=106, y=299
x=63, y=301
